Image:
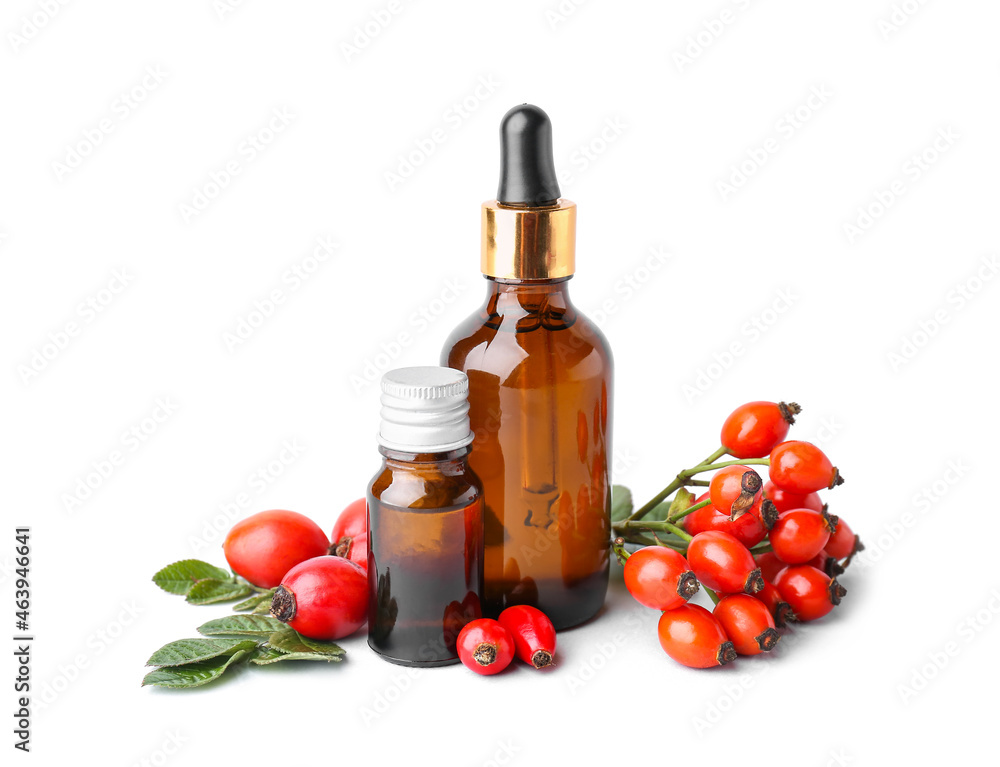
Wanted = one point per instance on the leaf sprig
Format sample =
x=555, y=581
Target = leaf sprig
x=253, y=638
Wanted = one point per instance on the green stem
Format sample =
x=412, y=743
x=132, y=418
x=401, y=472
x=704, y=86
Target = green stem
x=689, y=509
x=713, y=466
x=761, y=548
x=618, y=547
x=716, y=455
x=664, y=526
x=682, y=479
x=697, y=483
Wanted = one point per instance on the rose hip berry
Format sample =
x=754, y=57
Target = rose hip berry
x=265, y=546
x=753, y=429
x=723, y=564
x=352, y=522
x=802, y=468
x=811, y=593
x=769, y=565
x=800, y=534
x=748, y=623
x=843, y=543
x=353, y=548
x=749, y=528
x=734, y=489
x=659, y=577
x=692, y=636
x=780, y=610
x=323, y=598
x=826, y=563
x=485, y=646
x=785, y=500
x=533, y=633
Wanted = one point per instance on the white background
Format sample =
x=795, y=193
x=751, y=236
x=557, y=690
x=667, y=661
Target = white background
x=643, y=137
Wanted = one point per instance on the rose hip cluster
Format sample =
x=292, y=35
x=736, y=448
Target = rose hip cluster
x=321, y=589
x=767, y=554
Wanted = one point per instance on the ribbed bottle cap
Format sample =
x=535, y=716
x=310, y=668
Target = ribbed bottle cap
x=425, y=410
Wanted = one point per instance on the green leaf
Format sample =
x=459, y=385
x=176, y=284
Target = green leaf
x=212, y=590
x=194, y=650
x=264, y=608
x=242, y=625
x=266, y=655
x=179, y=577
x=255, y=600
x=290, y=641
x=658, y=513
x=193, y=674
x=682, y=501
x=621, y=502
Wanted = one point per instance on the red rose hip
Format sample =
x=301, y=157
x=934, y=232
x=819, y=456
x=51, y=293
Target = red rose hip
x=811, y=593
x=803, y=468
x=800, y=534
x=692, y=636
x=265, y=546
x=323, y=598
x=533, y=634
x=723, y=564
x=753, y=429
x=748, y=624
x=659, y=577
x=485, y=646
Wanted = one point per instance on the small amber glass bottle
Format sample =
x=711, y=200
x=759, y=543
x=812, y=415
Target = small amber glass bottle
x=425, y=520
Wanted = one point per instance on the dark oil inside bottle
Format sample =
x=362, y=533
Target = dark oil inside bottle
x=424, y=559
x=539, y=393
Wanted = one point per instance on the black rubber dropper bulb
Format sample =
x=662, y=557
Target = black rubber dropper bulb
x=527, y=170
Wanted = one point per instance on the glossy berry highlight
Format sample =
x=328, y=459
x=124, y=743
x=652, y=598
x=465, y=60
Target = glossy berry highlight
x=265, y=546
x=753, y=429
x=485, y=646
x=692, y=636
x=660, y=578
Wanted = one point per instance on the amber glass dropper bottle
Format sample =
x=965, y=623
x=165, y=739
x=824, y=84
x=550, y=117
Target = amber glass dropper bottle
x=540, y=393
